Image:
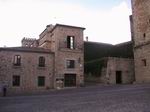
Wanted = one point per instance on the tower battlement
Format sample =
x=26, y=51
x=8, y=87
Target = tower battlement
x=29, y=42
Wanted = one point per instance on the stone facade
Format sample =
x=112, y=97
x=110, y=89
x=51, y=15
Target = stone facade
x=56, y=39
x=118, y=71
x=63, y=53
x=29, y=69
x=141, y=32
x=106, y=63
x=61, y=46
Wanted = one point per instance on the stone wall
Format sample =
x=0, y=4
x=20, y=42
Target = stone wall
x=62, y=53
x=141, y=31
x=126, y=66
x=28, y=71
x=141, y=21
x=141, y=69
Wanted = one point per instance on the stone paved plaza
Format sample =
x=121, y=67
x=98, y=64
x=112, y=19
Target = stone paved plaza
x=119, y=98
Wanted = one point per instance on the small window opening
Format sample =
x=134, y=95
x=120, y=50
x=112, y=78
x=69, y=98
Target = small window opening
x=79, y=60
x=144, y=63
x=144, y=35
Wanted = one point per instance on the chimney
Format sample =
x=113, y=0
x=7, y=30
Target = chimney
x=87, y=38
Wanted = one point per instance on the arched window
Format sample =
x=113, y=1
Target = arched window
x=17, y=60
x=41, y=61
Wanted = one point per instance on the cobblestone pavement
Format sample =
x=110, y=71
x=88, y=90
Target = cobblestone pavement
x=119, y=98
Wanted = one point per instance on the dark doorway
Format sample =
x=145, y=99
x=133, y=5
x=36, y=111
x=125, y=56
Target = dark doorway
x=70, y=80
x=118, y=77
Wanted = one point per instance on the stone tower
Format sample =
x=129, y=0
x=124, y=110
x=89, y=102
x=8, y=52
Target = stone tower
x=68, y=46
x=29, y=42
x=46, y=39
x=141, y=36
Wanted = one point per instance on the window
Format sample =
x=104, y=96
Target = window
x=41, y=81
x=70, y=42
x=16, y=80
x=144, y=35
x=17, y=60
x=79, y=60
x=41, y=61
x=144, y=62
x=70, y=63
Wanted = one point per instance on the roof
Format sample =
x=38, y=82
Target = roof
x=124, y=43
x=97, y=43
x=62, y=25
x=68, y=26
x=97, y=50
x=26, y=49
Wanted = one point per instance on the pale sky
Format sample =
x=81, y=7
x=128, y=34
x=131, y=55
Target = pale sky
x=105, y=20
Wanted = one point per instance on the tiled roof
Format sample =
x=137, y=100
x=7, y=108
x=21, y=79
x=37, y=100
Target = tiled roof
x=26, y=49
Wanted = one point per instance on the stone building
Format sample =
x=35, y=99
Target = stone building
x=55, y=60
x=24, y=68
x=140, y=28
x=140, y=35
x=68, y=45
x=118, y=71
x=109, y=64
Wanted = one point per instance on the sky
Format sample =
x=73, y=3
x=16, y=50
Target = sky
x=105, y=21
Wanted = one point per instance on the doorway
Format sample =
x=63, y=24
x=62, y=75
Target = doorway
x=70, y=80
x=118, y=77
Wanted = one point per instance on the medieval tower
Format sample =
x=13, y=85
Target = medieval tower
x=140, y=29
x=68, y=45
